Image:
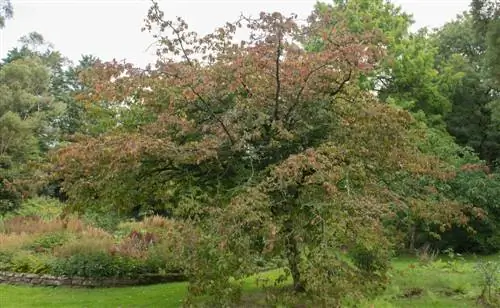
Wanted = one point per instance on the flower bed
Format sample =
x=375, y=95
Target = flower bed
x=69, y=252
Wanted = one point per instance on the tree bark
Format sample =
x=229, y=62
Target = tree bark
x=293, y=256
x=412, y=238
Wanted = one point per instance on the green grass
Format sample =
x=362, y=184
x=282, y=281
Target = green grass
x=170, y=295
x=440, y=285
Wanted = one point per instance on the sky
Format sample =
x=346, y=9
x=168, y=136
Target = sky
x=112, y=28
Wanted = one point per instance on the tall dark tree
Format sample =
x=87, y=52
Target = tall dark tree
x=461, y=53
x=486, y=14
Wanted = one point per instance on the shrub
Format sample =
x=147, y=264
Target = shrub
x=45, y=208
x=25, y=262
x=48, y=241
x=5, y=260
x=136, y=244
x=108, y=221
x=370, y=260
x=166, y=259
x=100, y=265
x=426, y=254
x=156, y=224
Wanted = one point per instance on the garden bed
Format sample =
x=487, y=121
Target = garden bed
x=71, y=252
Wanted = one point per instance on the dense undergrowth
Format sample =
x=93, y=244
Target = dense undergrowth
x=47, y=243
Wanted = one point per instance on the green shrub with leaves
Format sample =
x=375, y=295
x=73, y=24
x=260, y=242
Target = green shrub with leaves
x=48, y=241
x=45, y=208
x=107, y=220
x=100, y=265
x=5, y=260
x=26, y=262
x=370, y=260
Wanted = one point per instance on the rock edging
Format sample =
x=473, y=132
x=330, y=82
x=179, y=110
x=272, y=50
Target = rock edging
x=48, y=280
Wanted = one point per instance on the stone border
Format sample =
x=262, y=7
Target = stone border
x=48, y=280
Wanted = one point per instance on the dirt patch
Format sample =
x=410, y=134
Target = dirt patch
x=412, y=292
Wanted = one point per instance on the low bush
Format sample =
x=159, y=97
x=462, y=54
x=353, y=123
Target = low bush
x=44, y=208
x=370, y=260
x=47, y=242
x=25, y=262
x=101, y=265
x=71, y=247
x=489, y=274
x=162, y=226
x=108, y=221
x=5, y=260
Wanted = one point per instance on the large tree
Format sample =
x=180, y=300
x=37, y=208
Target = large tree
x=271, y=150
x=486, y=15
x=461, y=53
x=26, y=110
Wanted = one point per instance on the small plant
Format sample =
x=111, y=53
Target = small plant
x=5, y=260
x=24, y=262
x=48, y=241
x=427, y=255
x=455, y=260
x=489, y=272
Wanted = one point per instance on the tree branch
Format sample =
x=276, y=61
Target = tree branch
x=213, y=115
x=297, y=97
x=181, y=45
x=277, y=75
x=334, y=93
x=207, y=106
x=342, y=84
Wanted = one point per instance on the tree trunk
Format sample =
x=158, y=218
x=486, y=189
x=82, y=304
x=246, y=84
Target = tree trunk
x=293, y=256
x=412, y=238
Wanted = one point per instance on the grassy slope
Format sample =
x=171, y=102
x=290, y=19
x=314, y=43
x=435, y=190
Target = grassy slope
x=439, y=286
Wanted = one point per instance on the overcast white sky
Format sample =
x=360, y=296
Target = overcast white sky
x=112, y=28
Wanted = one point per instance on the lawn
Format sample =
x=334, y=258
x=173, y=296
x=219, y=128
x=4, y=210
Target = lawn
x=446, y=283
